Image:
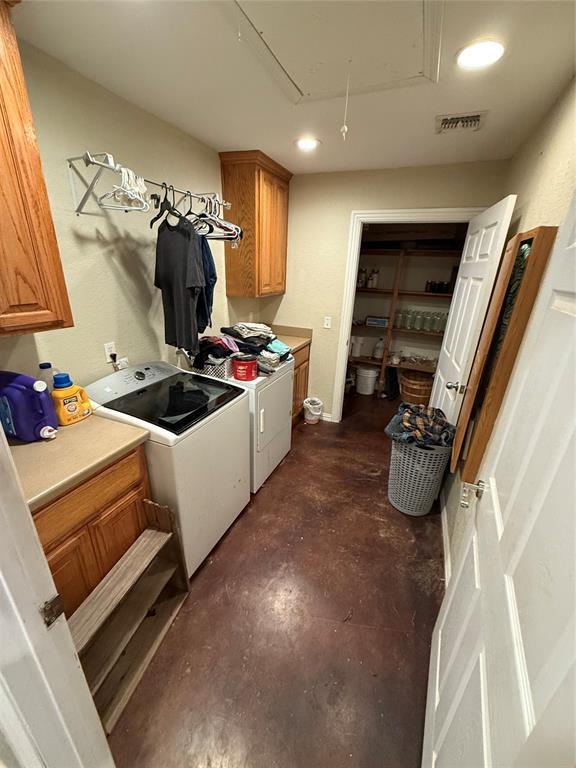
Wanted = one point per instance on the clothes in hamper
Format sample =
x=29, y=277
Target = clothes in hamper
x=426, y=427
x=180, y=276
x=206, y=296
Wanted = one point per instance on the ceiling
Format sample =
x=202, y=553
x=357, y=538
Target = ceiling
x=258, y=75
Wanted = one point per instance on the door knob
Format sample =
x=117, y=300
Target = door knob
x=452, y=384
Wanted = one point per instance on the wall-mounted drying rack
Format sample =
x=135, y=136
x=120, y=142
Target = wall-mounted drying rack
x=130, y=195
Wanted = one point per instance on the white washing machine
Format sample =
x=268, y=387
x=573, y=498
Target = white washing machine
x=198, y=451
x=270, y=420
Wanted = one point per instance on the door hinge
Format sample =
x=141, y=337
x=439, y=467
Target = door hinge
x=476, y=488
x=52, y=609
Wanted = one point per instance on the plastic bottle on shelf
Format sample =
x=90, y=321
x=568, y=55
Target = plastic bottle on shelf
x=408, y=319
x=362, y=278
x=418, y=321
x=427, y=321
x=378, y=349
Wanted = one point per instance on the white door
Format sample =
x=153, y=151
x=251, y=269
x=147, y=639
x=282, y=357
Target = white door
x=481, y=256
x=47, y=716
x=502, y=688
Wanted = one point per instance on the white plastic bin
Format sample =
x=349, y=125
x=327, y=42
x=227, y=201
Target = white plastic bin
x=312, y=410
x=366, y=380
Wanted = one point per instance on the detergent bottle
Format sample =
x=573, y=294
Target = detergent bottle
x=71, y=402
x=26, y=409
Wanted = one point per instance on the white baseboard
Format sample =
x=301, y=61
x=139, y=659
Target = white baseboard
x=326, y=417
x=445, y=539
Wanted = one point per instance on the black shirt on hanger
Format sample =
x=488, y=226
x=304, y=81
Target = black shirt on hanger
x=180, y=276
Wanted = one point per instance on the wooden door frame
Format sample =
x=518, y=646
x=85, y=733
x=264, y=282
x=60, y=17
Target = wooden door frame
x=357, y=220
x=488, y=407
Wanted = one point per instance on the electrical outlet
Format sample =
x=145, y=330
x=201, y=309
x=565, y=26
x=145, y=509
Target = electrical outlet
x=109, y=349
x=328, y=321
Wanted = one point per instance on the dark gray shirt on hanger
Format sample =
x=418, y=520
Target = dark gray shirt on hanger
x=180, y=276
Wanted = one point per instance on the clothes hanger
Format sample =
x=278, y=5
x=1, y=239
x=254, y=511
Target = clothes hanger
x=166, y=206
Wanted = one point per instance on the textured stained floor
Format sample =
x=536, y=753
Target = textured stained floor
x=305, y=640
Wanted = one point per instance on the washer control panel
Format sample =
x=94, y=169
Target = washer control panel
x=129, y=380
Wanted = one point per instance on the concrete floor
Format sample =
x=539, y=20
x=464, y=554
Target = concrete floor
x=305, y=640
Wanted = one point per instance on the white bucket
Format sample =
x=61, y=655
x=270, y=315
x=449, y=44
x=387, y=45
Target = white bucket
x=312, y=410
x=366, y=380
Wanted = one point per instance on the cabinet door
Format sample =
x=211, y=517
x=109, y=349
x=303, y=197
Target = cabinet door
x=300, y=389
x=33, y=294
x=75, y=569
x=117, y=528
x=273, y=228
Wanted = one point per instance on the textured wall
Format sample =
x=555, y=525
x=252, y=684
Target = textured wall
x=319, y=221
x=108, y=259
x=543, y=171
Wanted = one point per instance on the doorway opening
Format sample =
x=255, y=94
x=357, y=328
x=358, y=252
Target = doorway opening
x=401, y=270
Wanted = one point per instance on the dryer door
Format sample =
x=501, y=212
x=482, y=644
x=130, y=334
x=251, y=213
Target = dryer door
x=274, y=408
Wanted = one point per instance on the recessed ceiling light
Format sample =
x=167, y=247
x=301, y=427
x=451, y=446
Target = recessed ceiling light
x=307, y=144
x=480, y=55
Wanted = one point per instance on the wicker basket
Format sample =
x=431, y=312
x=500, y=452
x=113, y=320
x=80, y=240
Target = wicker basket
x=221, y=370
x=416, y=476
x=415, y=386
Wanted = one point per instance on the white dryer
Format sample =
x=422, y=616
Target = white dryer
x=270, y=400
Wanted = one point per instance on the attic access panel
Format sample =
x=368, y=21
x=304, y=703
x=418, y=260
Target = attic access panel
x=307, y=45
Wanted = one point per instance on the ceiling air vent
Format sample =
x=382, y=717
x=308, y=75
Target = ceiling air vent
x=473, y=121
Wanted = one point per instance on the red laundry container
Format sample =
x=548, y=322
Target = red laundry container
x=245, y=367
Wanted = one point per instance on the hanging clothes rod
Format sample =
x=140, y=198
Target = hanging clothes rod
x=107, y=163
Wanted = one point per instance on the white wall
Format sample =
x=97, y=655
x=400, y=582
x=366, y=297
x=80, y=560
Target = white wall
x=108, y=259
x=319, y=221
x=543, y=175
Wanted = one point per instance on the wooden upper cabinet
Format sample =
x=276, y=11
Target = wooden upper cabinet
x=33, y=295
x=257, y=188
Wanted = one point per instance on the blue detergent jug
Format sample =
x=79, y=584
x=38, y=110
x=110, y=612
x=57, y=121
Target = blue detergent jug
x=26, y=408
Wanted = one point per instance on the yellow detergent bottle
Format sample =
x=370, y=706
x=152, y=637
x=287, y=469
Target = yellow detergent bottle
x=71, y=402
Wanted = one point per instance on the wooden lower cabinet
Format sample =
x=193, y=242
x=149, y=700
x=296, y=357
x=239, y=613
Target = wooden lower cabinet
x=117, y=528
x=88, y=529
x=301, y=373
x=75, y=569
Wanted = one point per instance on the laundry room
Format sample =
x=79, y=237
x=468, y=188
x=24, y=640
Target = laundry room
x=287, y=309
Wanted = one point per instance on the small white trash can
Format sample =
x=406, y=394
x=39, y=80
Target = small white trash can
x=312, y=410
x=366, y=380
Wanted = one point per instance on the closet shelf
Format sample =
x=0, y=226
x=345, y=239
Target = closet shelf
x=425, y=367
x=456, y=254
x=371, y=327
x=434, y=334
x=365, y=361
x=416, y=294
x=98, y=606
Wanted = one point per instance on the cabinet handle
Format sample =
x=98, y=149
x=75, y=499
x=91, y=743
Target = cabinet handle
x=262, y=420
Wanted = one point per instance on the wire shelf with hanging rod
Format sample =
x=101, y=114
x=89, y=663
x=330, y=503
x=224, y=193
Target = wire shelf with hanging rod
x=130, y=195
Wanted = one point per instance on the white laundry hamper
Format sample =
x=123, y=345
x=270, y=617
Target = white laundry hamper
x=416, y=476
x=312, y=410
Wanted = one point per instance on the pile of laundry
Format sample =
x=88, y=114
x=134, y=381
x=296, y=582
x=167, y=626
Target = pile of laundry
x=249, y=338
x=426, y=427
